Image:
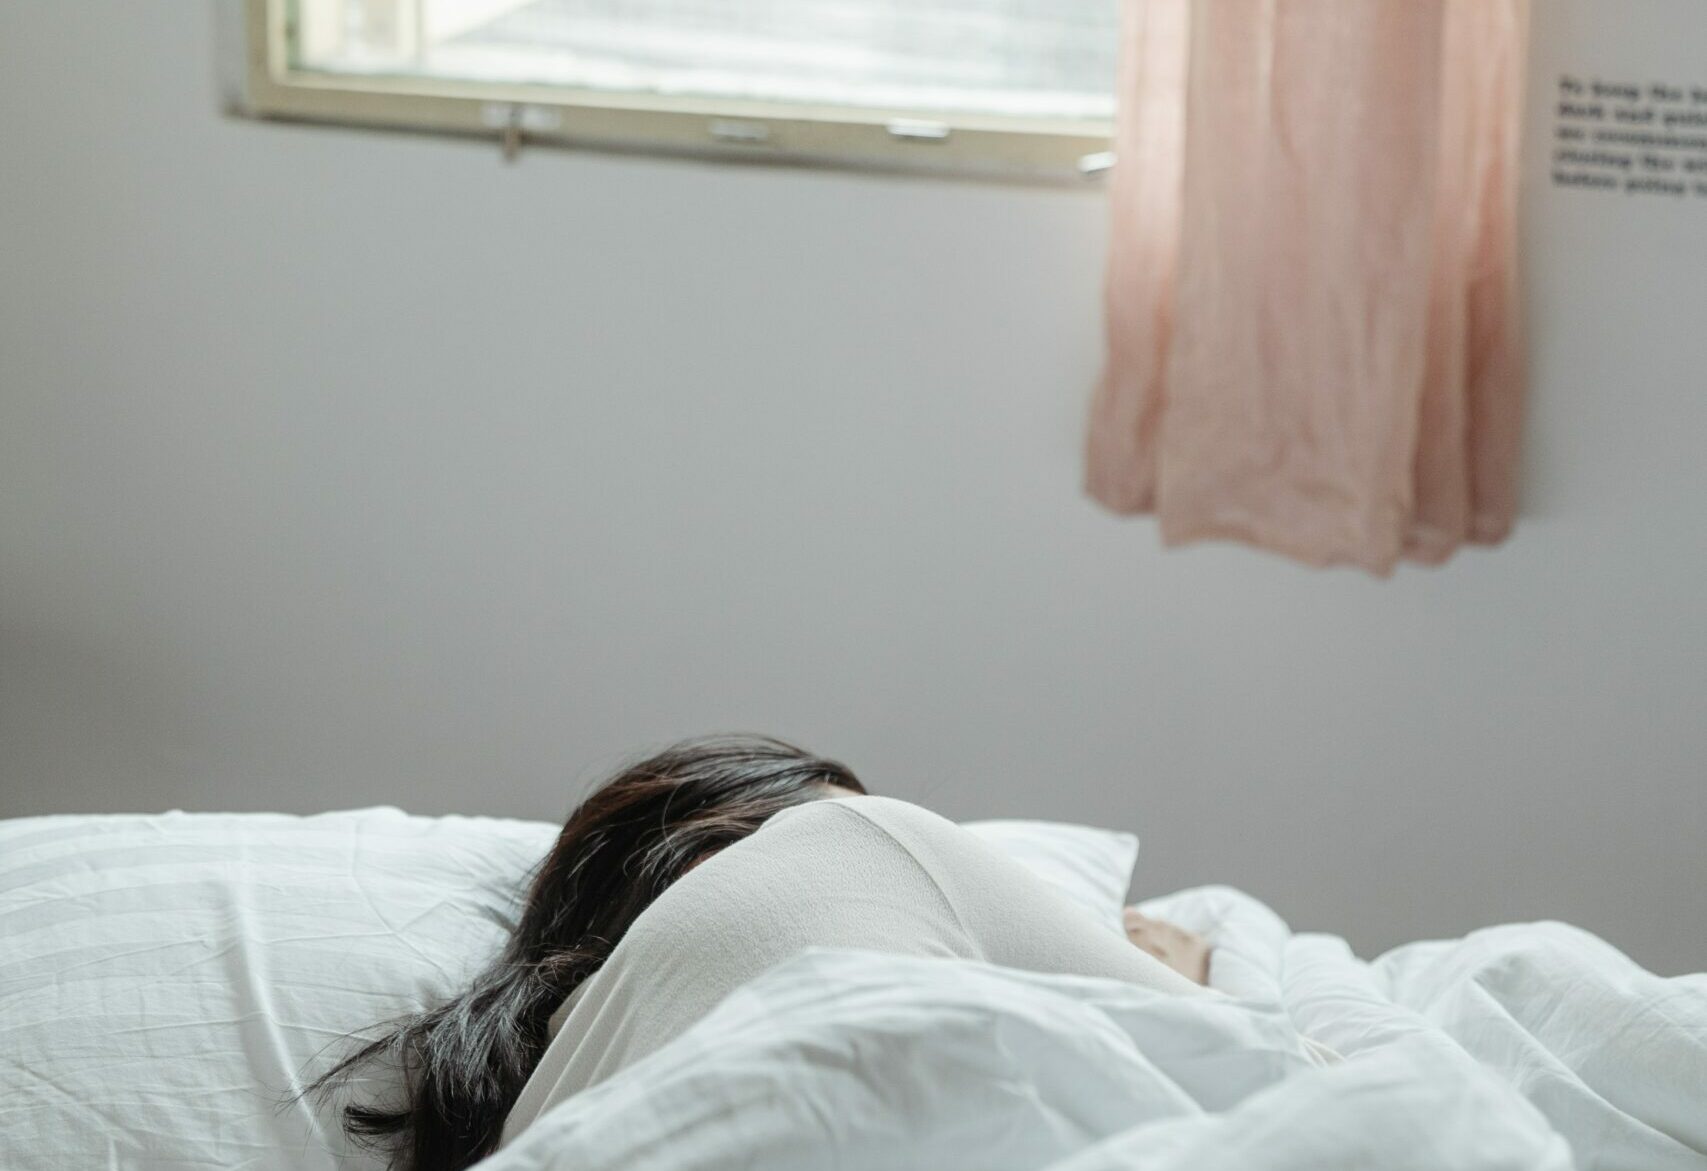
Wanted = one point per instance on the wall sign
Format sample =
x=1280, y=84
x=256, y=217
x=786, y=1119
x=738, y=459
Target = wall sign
x=1631, y=138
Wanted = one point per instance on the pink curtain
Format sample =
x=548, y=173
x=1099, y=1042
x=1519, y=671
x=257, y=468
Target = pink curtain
x=1312, y=303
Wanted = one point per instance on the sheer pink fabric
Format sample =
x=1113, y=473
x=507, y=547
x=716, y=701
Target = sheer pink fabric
x=1313, y=333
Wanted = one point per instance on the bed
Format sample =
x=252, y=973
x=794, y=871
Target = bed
x=168, y=981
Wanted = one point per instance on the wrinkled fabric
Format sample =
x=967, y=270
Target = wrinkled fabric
x=852, y=1060
x=1612, y=1055
x=1529, y=1047
x=1314, y=342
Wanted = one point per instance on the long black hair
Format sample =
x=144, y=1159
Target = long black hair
x=464, y=1062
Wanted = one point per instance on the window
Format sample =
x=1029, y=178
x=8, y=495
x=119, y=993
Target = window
x=1022, y=87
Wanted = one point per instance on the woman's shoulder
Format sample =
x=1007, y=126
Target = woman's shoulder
x=886, y=812
x=915, y=829
x=830, y=832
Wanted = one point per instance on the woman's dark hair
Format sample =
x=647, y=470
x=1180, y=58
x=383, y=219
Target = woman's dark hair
x=464, y=1063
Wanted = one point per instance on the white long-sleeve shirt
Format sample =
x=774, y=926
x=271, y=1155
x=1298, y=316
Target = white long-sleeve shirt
x=858, y=871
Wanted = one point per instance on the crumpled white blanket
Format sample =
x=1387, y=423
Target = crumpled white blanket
x=1535, y=1046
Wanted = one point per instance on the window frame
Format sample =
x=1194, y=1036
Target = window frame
x=513, y=115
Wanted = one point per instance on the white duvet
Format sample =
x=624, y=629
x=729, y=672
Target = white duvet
x=1534, y=1047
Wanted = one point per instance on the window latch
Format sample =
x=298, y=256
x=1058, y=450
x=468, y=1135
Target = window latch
x=917, y=130
x=513, y=134
x=739, y=131
x=1100, y=163
x=511, y=119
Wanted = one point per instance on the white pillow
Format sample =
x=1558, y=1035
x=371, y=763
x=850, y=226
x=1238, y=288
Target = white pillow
x=1092, y=867
x=166, y=980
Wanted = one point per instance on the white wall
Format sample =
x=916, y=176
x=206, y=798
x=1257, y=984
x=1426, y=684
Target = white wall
x=340, y=468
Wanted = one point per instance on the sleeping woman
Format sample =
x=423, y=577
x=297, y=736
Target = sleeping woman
x=615, y=954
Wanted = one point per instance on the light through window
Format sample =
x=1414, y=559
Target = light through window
x=1023, y=58
x=978, y=84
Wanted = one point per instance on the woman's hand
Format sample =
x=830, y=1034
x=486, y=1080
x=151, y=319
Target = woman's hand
x=1184, y=952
